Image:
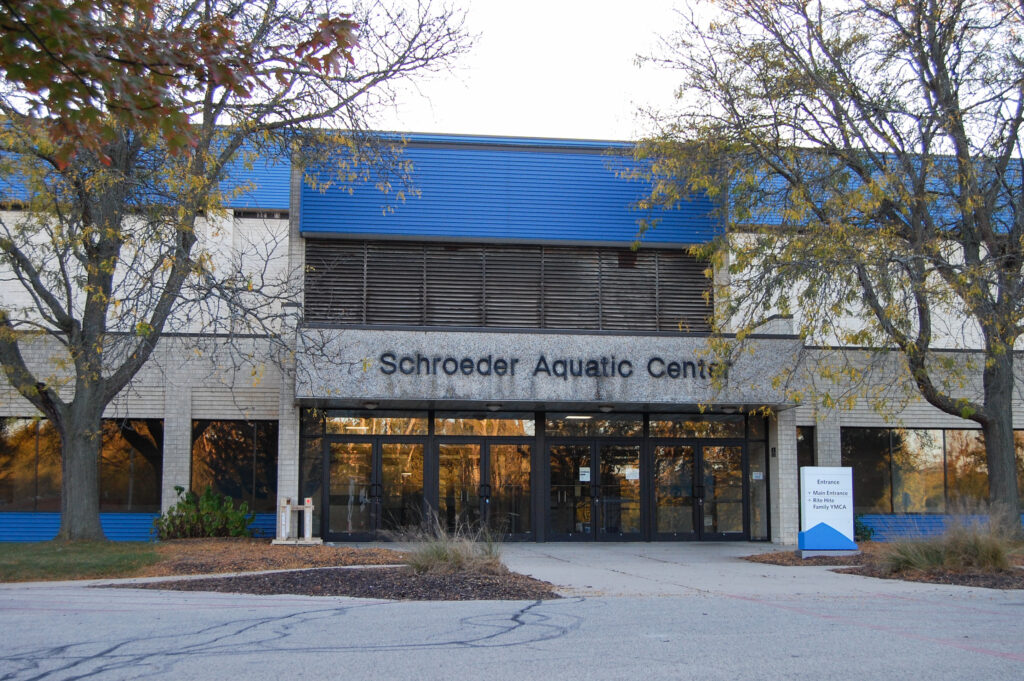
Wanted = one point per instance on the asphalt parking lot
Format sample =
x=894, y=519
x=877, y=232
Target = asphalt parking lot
x=648, y=611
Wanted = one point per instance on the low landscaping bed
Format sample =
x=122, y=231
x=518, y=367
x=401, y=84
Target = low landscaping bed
x=304, y=570
x=884, y=561
x=390, y=583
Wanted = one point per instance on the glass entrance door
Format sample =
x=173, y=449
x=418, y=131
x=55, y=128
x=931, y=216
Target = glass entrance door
x=698, y=491
x=371, y=485
x=720, y=497
x=595, y=490
x=484, y=483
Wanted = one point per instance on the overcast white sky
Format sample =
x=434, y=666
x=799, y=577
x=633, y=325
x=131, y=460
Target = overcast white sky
x=548, y=68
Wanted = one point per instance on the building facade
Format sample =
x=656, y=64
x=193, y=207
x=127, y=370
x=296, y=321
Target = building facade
x=492, y=349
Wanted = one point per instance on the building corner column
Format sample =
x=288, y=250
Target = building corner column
x=785, y=509
x=827, y=442
x=177, y=453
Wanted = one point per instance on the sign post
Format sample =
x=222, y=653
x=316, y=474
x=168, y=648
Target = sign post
x=826, y=510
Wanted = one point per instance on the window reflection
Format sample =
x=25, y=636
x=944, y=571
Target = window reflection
x=130, y=465
x=355, y=423
x=30, y=465
x=238, y=459
x=698, y=425
x=613, y=425
x=917, y=472
x=866, y=451
x=495, y=425
x=966, y=467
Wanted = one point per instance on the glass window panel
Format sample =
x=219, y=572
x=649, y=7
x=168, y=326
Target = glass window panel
x=609, y=425
x=570, y=490
x=355, y=423
x=459, y=482
x=131, y=465
x=30, y=465
x=619, y=500
x=510, y=489
x=723, y=489
x=401, y=485
x=48, y=484
x=698, y=425
x=866, y=451
x=351, y=476
x=1018, y=440
x=673, y=489
x=758, y=490
x=918, y=479
x=238, y=459
x=494, y=425
x=966, y=469
x=17, y=464
x=757, y=427
x=311, y=422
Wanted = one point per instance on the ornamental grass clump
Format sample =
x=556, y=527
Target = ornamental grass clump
x=437, y=548
x=964, y=547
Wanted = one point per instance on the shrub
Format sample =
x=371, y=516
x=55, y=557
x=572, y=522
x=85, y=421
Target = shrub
x=862, y=531
x=206, y=515
x=961, y=548
x=437, y=550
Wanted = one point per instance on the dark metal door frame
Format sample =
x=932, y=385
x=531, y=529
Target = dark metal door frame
x=484, y=487
x=698, y=490
x=376, y=487
x=597, y=512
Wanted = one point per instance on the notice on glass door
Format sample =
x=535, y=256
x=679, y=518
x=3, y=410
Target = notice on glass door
x=584, y=473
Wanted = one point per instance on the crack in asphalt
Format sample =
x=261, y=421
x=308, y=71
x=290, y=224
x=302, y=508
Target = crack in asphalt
x=526, y=625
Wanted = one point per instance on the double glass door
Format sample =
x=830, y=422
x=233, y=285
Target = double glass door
x=373, y=485
x=698, y=490
x=483, y=483
x=595, y=490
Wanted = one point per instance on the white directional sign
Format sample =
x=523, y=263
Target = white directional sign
x=826, y=511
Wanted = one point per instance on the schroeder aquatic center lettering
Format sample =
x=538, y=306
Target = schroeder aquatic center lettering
x=564, y=368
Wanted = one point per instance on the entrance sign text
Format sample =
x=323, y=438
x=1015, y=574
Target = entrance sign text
x=826, y=508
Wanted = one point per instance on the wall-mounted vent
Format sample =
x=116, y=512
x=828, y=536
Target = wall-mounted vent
x=487, y=285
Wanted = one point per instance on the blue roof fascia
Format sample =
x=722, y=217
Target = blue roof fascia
x=258, y=183
x=506, y=188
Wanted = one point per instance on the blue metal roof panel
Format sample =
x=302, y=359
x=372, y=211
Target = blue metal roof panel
x=493, y=188
x=262, y=183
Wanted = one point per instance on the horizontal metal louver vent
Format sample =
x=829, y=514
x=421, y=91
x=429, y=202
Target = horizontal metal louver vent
x=529, y=287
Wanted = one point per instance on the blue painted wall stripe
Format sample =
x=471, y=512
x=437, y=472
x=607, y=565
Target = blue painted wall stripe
x=16, y=526
x=911, y=526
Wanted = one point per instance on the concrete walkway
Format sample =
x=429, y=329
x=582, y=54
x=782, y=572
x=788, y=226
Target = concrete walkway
x=686, y=569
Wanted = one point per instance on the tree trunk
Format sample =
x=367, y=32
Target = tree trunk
x=81, y=437
x=999, y=444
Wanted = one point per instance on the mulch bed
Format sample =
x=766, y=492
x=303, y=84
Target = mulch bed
x=792, y=558
x=1007, y=579
x=865, y=564
x=208, y=556
x=390, y=583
